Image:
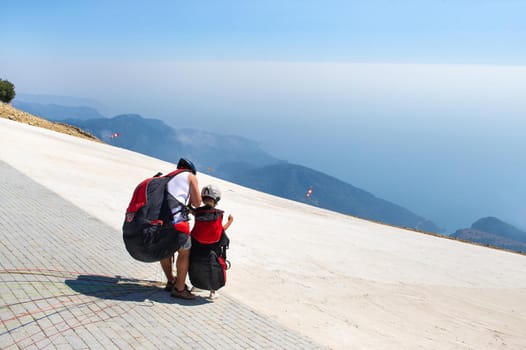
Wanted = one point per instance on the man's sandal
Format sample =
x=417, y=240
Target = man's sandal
x=183, y=294
x=169, y=286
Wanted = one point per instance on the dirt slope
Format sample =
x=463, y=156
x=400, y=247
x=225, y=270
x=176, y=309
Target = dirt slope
x=9, y=112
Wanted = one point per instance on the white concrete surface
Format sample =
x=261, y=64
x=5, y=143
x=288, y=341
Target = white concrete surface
x=343, y=281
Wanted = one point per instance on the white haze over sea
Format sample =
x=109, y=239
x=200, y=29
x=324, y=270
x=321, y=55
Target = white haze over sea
x=445, y=141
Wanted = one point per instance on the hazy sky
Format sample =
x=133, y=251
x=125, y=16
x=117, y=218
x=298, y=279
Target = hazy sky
x=419, y=102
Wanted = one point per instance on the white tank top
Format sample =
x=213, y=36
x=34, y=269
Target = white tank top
x=179, y=187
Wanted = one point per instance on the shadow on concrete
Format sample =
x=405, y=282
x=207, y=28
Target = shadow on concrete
x=126, y=289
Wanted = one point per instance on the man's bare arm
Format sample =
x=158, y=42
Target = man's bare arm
x=195, y=194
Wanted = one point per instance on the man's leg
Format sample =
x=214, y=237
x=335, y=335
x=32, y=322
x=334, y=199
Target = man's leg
x=166, y=264
x=181, y=264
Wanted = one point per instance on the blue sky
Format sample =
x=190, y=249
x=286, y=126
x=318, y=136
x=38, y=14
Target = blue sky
x=419, y=102
x=419, y=31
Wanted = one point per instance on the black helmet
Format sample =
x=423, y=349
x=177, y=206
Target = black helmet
x=186, y=164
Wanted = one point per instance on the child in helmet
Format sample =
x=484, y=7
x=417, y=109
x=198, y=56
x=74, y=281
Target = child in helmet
x=208, y=233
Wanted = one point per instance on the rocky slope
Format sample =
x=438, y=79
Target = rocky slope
x=9, y=112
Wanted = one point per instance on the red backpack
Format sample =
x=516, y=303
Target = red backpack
x=208, y=262
x=147, y=216
x=208, y=225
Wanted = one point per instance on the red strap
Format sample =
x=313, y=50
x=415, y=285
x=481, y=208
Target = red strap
x=183, y=227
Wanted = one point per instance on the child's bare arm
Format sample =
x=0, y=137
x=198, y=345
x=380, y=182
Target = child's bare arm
x=228, y=223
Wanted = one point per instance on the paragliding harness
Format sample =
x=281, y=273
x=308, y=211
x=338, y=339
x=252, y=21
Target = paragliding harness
x=147, y=231
x=208, y=261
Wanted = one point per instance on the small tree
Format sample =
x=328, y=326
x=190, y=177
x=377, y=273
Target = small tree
x=7, y=91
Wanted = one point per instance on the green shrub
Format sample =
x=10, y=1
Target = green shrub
x=7, y=91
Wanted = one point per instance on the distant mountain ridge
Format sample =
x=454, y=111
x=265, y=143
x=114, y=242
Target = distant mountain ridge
x=240, y=160
x=154, y=138
x=54, y=112
x=292, y=181
x=499, y=227
x=494, y=232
